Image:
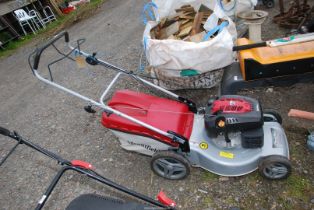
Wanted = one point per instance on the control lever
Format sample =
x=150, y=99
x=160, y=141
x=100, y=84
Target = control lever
x=221, y=123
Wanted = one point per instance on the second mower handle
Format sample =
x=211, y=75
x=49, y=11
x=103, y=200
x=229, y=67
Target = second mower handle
x=4, y=131
x=46, y=45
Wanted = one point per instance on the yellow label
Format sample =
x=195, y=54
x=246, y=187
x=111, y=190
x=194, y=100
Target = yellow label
x=80, y=61
x=203, y=145
x=226, y=154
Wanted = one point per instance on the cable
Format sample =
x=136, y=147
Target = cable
x=62, y=53
x=158, y=110
x=60, y=59
x=79, y=42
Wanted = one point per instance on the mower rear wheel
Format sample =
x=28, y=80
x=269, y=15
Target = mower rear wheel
x=170, y=165
x=272, y=116
x=275, y=167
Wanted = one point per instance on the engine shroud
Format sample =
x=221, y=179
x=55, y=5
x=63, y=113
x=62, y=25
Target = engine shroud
x=239, y=113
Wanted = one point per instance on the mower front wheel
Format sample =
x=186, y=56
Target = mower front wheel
x=170, y=165
x=275, y=167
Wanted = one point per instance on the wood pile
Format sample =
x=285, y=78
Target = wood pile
x=186, y=24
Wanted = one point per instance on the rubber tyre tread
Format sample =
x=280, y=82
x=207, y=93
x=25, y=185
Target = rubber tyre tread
x=274, y=113
x=270, y=4
x=174, y=155
x=274, y=159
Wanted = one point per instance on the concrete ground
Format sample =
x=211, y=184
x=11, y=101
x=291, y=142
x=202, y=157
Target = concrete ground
x=58, y=122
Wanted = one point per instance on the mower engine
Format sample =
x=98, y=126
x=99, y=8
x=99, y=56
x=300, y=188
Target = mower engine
x=236, y=114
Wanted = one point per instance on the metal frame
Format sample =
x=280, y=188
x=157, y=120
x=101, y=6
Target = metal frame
x=68, y=165
x=91, y=59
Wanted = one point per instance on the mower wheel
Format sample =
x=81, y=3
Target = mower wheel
x=270, y=4
x=272, y=116
x=275, y=167
x=170, y=165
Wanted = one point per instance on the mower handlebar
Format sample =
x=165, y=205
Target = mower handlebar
x=4, y=131
x=46, y=45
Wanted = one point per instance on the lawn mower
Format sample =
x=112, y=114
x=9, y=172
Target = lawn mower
x=279, y=62
x=89, y=201
x=232, y=136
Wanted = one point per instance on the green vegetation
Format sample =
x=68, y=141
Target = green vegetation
x=231, y=201
x=286, y=204
x=62, y=22
x=208, y=176
x=208, y=201
x=298, y=186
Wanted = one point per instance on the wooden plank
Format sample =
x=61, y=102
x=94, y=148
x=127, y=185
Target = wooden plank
x=186, y=38
x=186, y=25
x=186, y=17
x=197, y=23
x=191, y=13
x=175, y=16
x=152, y=34
x=197, y=37
x=173, y=37
x=167, y=23
x=185, y=9
x=170, y=30
x=207, y=13
x=186, y=5
x=182, y=22
x=185, y=32
x=162, y=22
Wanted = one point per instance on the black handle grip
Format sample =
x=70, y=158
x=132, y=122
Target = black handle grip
x=249, y=46
x=4, y=131
x=50, y=42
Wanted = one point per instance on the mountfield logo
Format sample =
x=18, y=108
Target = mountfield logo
x=148, y=147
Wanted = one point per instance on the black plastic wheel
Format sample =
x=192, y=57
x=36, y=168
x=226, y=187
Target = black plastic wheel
x=170, y=165
x=270, y=4
x=274, y=167
x=272, y=116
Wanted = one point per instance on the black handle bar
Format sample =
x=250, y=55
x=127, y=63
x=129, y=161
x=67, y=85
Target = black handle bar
x=70, y=166
x=4, y=131
x=50, y=42
x=21, y=140
x=249, y=46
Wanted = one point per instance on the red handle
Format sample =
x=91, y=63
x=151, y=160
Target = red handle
x=162, y=198
x=82, y=164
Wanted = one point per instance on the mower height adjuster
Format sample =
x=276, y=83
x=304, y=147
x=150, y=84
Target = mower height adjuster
x=183, y=142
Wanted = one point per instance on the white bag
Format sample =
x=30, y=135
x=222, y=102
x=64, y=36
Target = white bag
x=208, y=55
